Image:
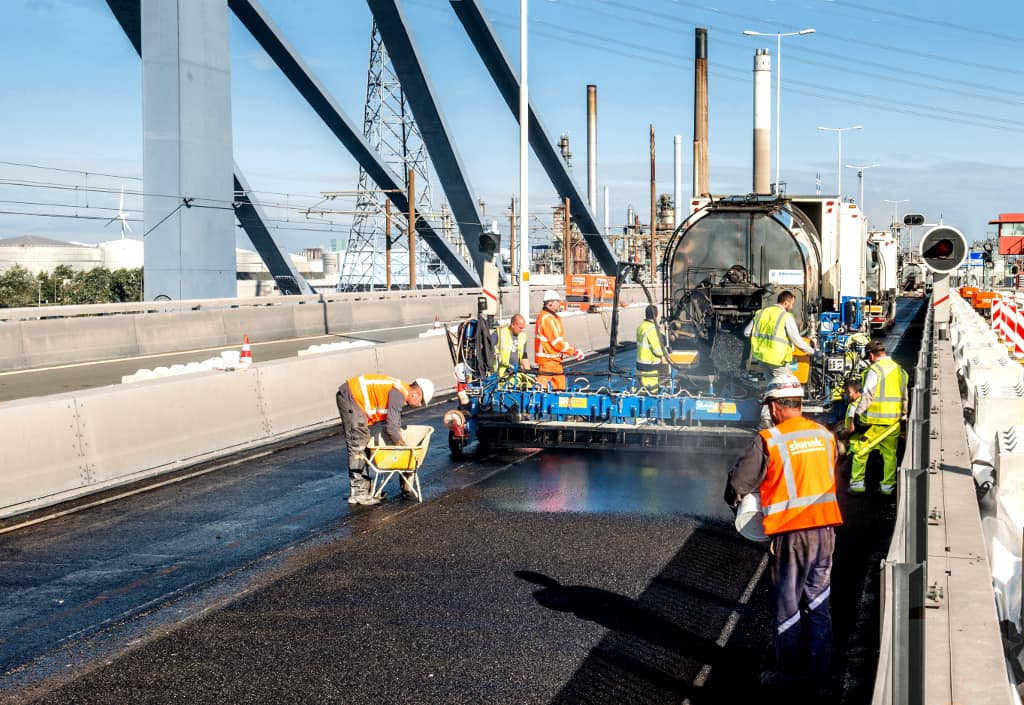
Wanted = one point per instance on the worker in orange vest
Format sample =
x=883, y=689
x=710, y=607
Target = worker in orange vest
x=366, y=400
x=793, y=466
x=549, y=344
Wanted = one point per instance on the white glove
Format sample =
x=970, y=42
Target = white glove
x=579, y=355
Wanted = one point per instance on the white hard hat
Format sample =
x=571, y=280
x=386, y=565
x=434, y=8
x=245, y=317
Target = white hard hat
x=552, y=295
x=427, y=387
x=784, y=387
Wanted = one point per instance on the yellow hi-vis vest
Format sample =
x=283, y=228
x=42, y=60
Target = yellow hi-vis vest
x=648, y=344
x=507, y=345
x=768, y=340
x=886, y=405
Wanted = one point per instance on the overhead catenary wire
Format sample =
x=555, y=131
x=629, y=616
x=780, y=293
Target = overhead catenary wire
x=937, y=113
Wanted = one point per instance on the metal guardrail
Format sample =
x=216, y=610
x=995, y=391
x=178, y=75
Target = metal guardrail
x=899, y=678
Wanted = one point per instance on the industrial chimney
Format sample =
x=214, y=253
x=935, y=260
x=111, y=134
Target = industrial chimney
x=592, y=147
x=762, y=122
x=700, y=113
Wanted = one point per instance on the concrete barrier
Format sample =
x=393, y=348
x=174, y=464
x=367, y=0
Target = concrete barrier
x=12, y=351
x=66, y=340
x=297, y=394
x=44, y=459
x=173, y=332
x=138, y=430
x=35, y=337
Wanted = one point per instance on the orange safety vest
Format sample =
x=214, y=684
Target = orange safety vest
x=371, y=394
x=549, y=342
x=799, y=488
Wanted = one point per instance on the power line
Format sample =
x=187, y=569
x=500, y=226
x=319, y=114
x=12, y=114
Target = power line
x=608, y=44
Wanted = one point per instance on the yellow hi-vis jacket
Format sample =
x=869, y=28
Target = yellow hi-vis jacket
x=648, y=344
x=886, y=405
x=768, y=340
x=507, y=347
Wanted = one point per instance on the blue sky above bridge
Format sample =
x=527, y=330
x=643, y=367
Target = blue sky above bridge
x=934, y=84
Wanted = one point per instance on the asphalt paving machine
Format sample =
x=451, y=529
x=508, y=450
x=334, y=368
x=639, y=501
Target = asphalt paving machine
x=730, y=258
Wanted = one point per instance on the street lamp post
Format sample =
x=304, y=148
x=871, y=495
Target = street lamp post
x=778, y=86
x=895, y=213
x=860, y=176
x=839, y=162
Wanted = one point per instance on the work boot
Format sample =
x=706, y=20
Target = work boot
x=856, y=487
x=366, y=500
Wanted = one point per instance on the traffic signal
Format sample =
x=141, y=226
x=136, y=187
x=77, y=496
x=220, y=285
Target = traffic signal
x=913, y=219
x=489, y=242
x=943, y=249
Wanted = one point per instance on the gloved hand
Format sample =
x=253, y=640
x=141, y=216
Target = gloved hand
x=579, y=355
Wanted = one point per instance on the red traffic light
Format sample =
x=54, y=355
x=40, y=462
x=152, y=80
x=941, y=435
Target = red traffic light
x=940, y=250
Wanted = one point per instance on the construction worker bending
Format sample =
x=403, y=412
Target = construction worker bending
x=549, y=344
x=773, y=335
x=650, y=355
x=792, y=465
x=882, y=405
x=510, y=353
x=366, y=400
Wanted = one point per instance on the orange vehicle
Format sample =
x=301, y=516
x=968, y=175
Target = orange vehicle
x=589, y=292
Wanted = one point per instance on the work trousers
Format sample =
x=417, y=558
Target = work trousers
x=650, y=374
x=356, y=431
x=888, y=447
x=551, y=373
x=801, y=570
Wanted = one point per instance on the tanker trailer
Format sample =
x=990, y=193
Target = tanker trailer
x=729, y=259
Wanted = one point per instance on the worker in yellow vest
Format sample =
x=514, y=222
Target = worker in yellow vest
x=883, y=403
x=510, y=352
x=793, y=466
x=368, y=399
x=773, y=335
x=650, y=355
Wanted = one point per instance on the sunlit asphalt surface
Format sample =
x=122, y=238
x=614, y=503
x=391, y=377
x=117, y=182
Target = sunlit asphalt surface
x=526, y=578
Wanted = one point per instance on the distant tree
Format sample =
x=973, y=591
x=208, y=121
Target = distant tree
x=93, y=286
x=62, y=275
x=126, y=284
x=18, y=288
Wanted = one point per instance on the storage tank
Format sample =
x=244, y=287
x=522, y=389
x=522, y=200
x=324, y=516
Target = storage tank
x=728, y=260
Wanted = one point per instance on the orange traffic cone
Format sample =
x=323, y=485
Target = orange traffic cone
x=437, y=321
x=246, y=357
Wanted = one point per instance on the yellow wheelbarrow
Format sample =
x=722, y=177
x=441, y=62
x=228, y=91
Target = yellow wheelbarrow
x=387, y=461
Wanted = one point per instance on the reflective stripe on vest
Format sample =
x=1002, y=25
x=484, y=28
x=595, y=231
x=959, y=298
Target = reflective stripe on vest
x=506, y=346
x=886, y=405
x=799, y=489
x=648, y=344
x=768, y=340
x=371, y=394
x=549, y=338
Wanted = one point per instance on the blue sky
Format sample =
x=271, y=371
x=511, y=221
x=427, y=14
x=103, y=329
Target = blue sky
x=935, y=85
